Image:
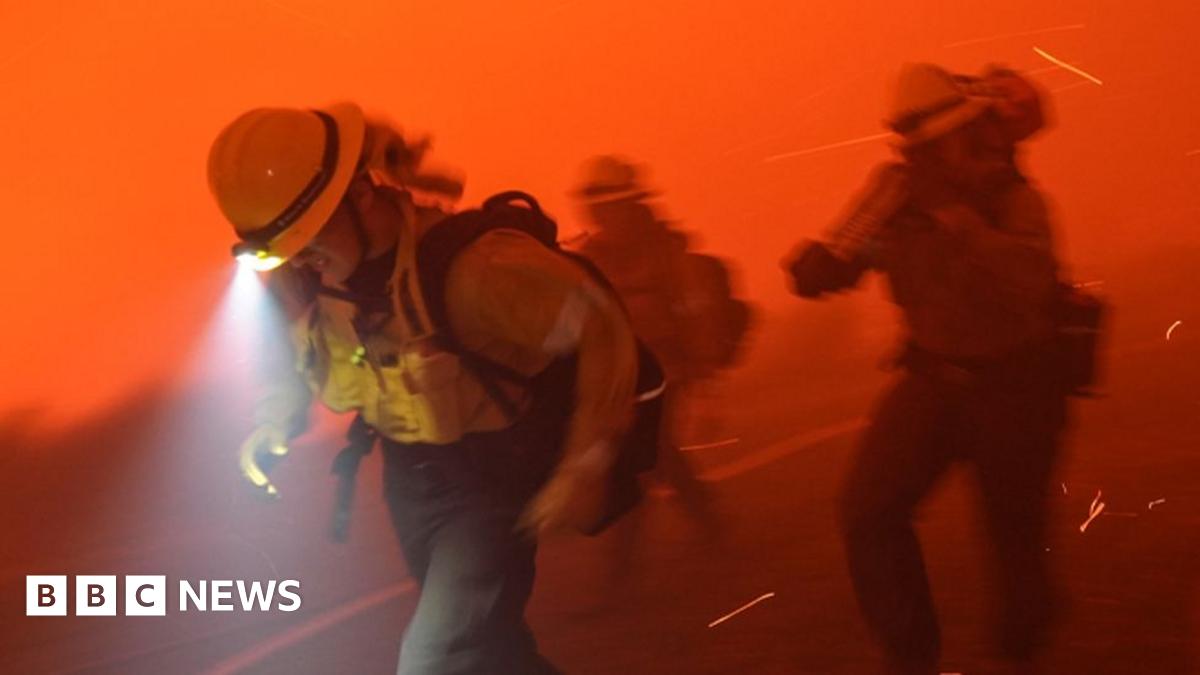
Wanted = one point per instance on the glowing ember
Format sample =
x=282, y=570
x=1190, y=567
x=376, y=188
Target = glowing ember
x=714, y=444
x=741, y=609
x=1066, y=66
x=1172, y=328
x=1094, y=512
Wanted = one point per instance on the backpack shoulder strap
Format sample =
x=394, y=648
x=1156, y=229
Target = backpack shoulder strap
x=438, y=248
x=442, y=243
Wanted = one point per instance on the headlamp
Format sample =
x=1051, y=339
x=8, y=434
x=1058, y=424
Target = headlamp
x=257, y=259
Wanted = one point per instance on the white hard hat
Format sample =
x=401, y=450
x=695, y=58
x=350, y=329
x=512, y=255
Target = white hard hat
x=929, y=102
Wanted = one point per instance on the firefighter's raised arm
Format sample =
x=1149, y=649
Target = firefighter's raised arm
x=839, y=259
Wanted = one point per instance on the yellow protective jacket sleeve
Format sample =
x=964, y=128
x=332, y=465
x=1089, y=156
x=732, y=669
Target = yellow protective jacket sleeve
x=514, y=301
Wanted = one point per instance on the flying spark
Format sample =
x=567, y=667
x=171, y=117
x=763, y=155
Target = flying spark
x=1064, y=487
x=1005, y=36
x=1155, y=503
x=774, y=137
x=1066, y=66
x=830, y=146
x=1094, y=512
x=741, y=609
x=714, y=444
x=1172, y=328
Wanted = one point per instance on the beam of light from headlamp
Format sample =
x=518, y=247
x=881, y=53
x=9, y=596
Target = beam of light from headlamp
x=185, y=510
x=223, y=357
x=239, y=353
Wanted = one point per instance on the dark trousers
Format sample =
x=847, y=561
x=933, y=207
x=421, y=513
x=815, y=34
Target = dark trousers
x=1005, y=421
x=455, y=510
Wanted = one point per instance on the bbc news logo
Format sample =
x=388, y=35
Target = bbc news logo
x=146, y=595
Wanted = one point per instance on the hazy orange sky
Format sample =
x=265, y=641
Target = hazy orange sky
x=117, y=256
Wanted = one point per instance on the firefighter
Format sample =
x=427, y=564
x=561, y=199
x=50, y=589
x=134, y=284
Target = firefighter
x=647, y=260
x=475, y=466
x=964, y=240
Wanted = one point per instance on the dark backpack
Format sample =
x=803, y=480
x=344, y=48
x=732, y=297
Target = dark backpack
x=717, y=320
x=554, y=389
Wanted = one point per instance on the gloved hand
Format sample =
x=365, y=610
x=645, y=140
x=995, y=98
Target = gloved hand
x=261, y=450
x=574, y=498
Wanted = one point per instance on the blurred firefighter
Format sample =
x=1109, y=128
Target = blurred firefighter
x=964, y=240
x=680, y=302
x=475, y=462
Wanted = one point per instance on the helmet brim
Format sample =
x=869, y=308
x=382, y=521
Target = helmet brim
x=943, y=123
x=351, y=130
x=590, y=196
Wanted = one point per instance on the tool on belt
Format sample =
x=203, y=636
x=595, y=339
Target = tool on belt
x=360, y=439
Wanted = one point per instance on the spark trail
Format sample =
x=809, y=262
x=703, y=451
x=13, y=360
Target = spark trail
x=1005, y=36
x=1066, y=66
x=739, y=610
x=830, y=146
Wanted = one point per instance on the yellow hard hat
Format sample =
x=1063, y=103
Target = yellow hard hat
x=278, y=174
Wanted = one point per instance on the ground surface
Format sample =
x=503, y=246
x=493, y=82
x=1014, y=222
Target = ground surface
x=121, y=495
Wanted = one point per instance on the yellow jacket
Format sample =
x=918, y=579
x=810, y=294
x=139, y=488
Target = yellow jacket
x=509, y=299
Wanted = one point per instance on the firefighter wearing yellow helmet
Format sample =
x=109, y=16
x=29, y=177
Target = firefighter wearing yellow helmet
x=465, y=454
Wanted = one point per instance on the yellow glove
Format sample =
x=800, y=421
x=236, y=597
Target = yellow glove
x=259, y=452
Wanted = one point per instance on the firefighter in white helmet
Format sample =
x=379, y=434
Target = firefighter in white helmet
x=964, y=240
x=470, y=473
